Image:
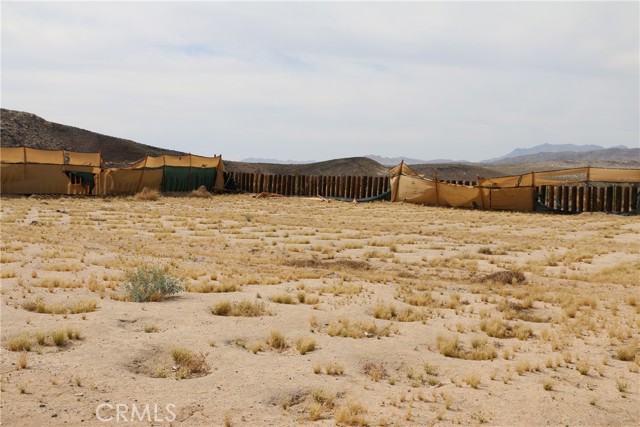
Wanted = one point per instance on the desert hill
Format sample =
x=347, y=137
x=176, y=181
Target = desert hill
x=25, y=129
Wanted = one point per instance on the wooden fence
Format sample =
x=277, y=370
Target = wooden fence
x=349, y=187
x=564, y=198
x=589, y=198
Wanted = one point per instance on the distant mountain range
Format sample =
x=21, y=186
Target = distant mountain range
x=620, y=154
x=276, y=161
x=392, y=161
x=25, y=129
x=549, y=148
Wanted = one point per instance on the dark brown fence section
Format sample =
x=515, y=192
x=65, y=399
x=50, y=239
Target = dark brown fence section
x=589, y=198
x=349, y=187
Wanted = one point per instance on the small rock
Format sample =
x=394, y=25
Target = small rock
x=43, y=405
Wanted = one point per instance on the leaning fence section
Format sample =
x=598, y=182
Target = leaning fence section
x=347, y=187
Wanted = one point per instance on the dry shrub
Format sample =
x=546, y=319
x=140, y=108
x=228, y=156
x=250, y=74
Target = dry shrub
x=481, y=349
x=189, y=363
x=357, y=329
x=375, y=371
x=277, y=341
x=352, y=414
x=494, y=327
x=206, y=288
x=242, y=308
x=147, y=194
x=507, y=277
x=305, y=344
x=628, y=352
x=80, y=306
x=390, y=312
x=283, y=298
x=333, y=368
x=201, y=192
x=20, y=343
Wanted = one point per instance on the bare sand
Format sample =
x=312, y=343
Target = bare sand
x=559, y=348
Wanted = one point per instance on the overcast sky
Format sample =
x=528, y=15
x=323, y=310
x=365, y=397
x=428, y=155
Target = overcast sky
x=326, y=80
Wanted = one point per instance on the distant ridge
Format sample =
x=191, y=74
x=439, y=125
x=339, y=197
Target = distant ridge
x=392, y=161
x=623, y=155
x=25, y=129
x=277, y=161
x=548, y=148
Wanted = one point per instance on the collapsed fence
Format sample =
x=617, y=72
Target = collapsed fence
x=568, y=190
x=31, y=171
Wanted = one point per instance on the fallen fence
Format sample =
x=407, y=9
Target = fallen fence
x=347, y=187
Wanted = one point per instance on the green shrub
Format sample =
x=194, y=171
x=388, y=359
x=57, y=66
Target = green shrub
x=151, y=284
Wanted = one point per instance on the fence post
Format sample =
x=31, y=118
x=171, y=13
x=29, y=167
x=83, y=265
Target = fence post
x=618, y=198
x=609, y=199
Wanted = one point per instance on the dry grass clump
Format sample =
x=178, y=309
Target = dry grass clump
x=189, y=363
x=421, y=299
x=206, y=288
x=351, y=414
x=22, y=362
x=390, y=312
x=80, y=306
x=241, y=308
x=507, y=277
x=472, y=379
x=201, y=192
x=330, y=368
x=322, y=400
x=305, y=298
x=494, y=327
x=283, y=298
x=375, y=371
x=548, y=384
x=21, y=342
x=277, y=341
x=147, y=194
x=357, y=329
x=481, y=349
x=628, y=352
x=305, y=344
x=342, y=288
x=57, y=283
x=583, y=366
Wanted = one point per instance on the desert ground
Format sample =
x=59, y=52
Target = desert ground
x=302, y=312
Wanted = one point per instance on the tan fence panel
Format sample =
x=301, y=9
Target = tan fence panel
x=34, y=179
x=515, y=199
x=129, y=181
x=12, y=155
x=525, y=180
x=414, y=190
x=459, y=196
x=84, y=159
x=614, y=175
x=53, y=157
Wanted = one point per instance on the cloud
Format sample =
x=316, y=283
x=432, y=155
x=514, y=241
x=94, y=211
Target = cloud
x=323, y=80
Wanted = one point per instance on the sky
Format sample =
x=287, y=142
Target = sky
x=323, y=80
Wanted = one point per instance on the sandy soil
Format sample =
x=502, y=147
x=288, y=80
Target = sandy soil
x=562, y=348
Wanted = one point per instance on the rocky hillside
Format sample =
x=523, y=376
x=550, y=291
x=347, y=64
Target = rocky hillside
x=25, y=129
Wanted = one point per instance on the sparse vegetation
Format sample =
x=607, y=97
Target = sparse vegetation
x=241, y=308
x=151, y=283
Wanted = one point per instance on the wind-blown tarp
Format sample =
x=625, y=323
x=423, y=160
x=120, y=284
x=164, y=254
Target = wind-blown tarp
x=506, y=193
